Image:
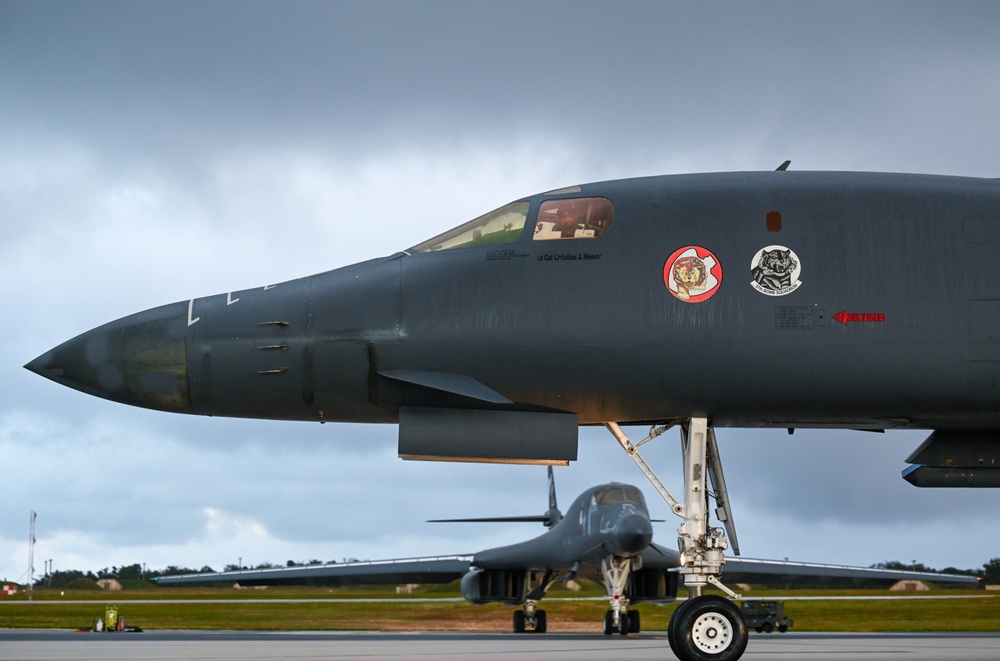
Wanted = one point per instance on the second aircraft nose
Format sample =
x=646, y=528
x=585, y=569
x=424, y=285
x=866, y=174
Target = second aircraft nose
x=632, y=534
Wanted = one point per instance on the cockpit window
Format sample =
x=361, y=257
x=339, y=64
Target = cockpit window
x=580, y=218
x=622, y=494
x=633, y=495
x=503, y=225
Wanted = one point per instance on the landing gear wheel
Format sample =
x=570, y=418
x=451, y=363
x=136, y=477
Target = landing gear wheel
x=708, y=628
x=609, y=623
x=633, y=622
x=541, y=622
x=673, y=627
x=519, y=619
x=624, y=619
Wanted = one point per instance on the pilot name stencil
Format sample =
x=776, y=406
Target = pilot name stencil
x=570, y=257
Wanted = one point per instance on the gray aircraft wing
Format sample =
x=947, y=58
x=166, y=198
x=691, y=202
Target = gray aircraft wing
x=751, y=570
x=789, y=572
x=438, y=569
x=444, y=569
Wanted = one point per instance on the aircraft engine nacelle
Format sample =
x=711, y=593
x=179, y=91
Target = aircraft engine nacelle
x=656, y=585
x=956, y=458
x=428, y=433
x=484, y=586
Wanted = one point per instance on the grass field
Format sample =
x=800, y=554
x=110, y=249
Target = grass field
x=242, y=610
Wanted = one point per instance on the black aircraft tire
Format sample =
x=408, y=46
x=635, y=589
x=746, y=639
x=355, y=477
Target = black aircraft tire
x=708, y=628
x=519, y=619
x=634, y=622
x=609, y=623
x=624, y=619
x=673, y=628
x=541, y=622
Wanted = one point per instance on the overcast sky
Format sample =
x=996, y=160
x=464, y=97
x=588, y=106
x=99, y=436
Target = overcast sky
x=155, y=152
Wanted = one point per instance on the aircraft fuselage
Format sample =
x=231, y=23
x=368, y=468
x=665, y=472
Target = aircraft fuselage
x=878, y=307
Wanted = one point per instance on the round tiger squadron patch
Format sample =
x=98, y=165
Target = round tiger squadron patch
x=776, y=271
x=692, y=274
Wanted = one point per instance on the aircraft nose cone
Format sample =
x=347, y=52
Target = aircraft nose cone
x=632, y=534
x=44, y=365
x=139, y=360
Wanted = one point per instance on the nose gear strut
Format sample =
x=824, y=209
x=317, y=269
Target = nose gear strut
x=616, y=572
x=703, y=627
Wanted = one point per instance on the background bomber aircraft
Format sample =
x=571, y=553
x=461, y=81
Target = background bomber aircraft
x=747, y=299
x=606, y=535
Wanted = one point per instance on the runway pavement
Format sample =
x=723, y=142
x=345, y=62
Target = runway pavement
x=356, y=646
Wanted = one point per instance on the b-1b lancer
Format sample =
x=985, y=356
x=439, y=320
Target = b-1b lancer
x=606, y=535
x=750, y=299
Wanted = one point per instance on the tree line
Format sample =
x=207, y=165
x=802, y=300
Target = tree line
x=989, y=573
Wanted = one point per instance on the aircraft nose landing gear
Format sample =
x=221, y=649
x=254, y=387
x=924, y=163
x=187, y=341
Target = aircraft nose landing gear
x=705, y=627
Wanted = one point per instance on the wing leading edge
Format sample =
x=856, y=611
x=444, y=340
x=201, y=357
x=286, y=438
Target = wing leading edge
x=438, y=569
x=743, y=570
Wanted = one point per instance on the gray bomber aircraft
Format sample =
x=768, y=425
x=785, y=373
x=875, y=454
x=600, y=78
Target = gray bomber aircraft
x=750, y=299
x=606, y=535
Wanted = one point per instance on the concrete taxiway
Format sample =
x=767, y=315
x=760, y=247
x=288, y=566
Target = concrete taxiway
x=350, y=646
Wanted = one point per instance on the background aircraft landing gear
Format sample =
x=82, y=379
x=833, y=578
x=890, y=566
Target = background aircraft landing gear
x=634, y=623
x=616, y=572
x=628, y=623
x=707, y=628
x=535, y=623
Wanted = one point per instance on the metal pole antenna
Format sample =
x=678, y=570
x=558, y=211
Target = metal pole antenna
x=31, y=553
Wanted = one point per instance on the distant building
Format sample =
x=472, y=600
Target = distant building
x=109, y=584
x=910, y=586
